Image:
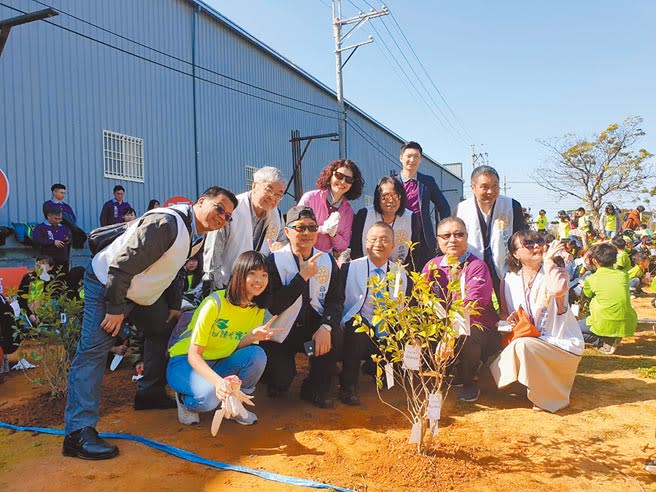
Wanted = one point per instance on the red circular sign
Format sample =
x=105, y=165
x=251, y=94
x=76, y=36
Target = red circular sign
x=4, y=188
x=177, y=200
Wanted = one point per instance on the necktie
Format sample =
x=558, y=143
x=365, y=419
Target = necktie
x=379, y=294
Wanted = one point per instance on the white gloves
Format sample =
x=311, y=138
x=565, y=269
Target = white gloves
x=330, y=225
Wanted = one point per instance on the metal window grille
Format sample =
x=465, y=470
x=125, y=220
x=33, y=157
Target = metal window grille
x=248, y=176
x=368, y=200
x=123, y=157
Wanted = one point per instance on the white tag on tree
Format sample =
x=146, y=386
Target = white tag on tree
x=389, y=375
x=415, y=433
x=412, y=357
x=462, y=323
x=434, y=427
x=434, y=406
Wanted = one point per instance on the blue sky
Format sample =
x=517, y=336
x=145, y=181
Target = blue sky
x=512, y=72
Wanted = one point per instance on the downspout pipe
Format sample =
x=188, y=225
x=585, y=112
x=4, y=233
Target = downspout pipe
x=194, y=21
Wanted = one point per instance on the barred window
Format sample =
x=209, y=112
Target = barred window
x=248, y=176
x=123, y=157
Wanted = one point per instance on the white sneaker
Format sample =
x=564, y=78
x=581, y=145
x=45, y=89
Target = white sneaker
x=185, y=416
x=249, y=419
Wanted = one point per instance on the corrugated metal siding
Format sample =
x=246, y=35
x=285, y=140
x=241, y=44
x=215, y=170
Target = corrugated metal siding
x=59, y=91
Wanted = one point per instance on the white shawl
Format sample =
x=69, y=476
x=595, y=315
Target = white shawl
x=402, y=232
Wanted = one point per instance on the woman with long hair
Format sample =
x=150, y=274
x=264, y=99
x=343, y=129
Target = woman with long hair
x=219, y=342
x=339, y=182
x=535, y=290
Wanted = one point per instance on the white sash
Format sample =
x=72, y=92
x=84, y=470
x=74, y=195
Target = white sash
x=402, y=232
x=501, y=224
x=357, y=286
x=287, y=269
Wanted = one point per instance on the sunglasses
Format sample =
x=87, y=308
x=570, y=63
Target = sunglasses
x=343, y=177
x=392, y=197
x=304, y=228
x=456, y=235
x=532, y=243
x=222, y=212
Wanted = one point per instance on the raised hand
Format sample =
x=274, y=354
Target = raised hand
x=552, y=251
x=264, y=332
x=308, y=268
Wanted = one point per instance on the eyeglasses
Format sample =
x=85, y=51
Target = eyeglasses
x=269, y=191
x=532, y=243
x=220, y=209
x=391, y=197
x=456, y=235
x=304, y=228
x=343, y=177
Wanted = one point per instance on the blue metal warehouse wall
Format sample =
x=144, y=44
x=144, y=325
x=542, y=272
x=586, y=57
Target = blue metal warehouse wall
x=59, y=90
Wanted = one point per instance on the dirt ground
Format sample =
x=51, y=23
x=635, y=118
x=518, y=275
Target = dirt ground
x=499, y=444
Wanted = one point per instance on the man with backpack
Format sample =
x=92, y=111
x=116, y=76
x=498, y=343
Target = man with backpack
x=135, y=274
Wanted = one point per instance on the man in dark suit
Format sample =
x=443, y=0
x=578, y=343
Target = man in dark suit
x=424, y=199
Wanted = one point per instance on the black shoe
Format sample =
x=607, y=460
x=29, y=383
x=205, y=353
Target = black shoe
x=153, y=401
x=349, y=398
x=469, y=392
x=317, y=398
x=86, y=444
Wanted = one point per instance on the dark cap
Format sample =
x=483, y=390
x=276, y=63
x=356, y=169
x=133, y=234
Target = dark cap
x=299, y=212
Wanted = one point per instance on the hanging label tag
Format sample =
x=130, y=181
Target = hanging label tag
x=434, y=427
x=412, y=357
x=389, y=375
x=434, y=406
x=462, y=323
x=415, y=433
x=63, y=318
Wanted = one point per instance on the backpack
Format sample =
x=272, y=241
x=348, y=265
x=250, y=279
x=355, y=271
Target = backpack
x=102, y=237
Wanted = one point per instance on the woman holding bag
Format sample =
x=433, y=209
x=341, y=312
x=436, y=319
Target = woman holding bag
x=535, y=290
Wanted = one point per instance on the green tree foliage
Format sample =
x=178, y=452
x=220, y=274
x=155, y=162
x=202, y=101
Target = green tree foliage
x=600, y=169
x=421, y=319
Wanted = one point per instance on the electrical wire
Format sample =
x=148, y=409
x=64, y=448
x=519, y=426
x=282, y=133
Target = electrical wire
x=181, y=60
x=182, y=72
x=372, y=142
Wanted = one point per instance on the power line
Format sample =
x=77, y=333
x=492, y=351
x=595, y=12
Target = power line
x=430, y=103
x=181, y=60
x=372, y=143
x=182, y=72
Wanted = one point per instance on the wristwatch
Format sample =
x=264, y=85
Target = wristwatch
x=327, y=327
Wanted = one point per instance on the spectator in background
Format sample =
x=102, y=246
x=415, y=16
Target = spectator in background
x=113, y=210
x=491, y=219
x=623, y=261
x=129, y=215
x=339, y=182
x=154, y=203
x=609, y=223
x=32, y=287
x=564, y=225
x=541, y=221
x=424, y=199
x=639, y=274
x=633, y=218
x=54, y=239
x=58, y=191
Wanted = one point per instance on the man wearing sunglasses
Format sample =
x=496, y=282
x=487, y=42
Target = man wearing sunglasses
x=136, y=275
x=478, y=338
x=491, y=219
x=308, y=297
x=257, y=222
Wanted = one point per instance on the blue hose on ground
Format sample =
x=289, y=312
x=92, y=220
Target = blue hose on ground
x=189, y=456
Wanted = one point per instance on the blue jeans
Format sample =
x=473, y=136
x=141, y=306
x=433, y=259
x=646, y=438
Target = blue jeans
x=198, y=394
x=88, y=366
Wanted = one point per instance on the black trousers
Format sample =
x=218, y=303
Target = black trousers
x=357, y=347
x=281, y=366
x=151, y=321
x=476, y=348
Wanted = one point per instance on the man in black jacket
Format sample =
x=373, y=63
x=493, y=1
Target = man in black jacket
x=133, y=276
x=308, y=295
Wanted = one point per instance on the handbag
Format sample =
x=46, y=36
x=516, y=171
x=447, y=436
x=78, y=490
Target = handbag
x=524, y=327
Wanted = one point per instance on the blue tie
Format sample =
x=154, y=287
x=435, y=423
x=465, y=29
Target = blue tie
x=381, y=275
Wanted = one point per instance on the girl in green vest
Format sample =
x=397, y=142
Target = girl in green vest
x=221, y=341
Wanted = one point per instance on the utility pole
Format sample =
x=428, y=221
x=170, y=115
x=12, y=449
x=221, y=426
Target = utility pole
x=478, y=159
x=338, y=22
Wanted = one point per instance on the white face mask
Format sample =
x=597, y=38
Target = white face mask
x=45, y=276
